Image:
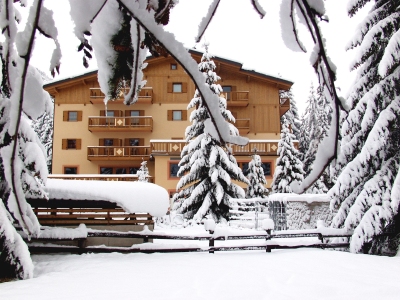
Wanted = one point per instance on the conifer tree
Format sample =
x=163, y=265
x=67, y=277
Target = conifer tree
x=366, y=193
x=43, y=127
x=207, y=167
x=293, y=113
x=289, y=167
x=256, y=177
x=143, y=172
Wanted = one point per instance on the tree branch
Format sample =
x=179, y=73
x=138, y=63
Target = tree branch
x=14, y=175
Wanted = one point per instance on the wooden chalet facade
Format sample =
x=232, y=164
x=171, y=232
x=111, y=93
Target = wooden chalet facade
x=90, y=139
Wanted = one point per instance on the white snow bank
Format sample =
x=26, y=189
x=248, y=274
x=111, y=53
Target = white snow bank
x=309, y=198
x=134, y=197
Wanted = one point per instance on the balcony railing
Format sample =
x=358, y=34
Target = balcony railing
x=236, y=98
x=167, y=147
x=263, y=147
x=121, y=124
x=145, y=95
x=120, y=153
x=102, y=177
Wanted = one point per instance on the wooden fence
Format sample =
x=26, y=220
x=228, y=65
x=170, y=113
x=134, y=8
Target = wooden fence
x=270, y=242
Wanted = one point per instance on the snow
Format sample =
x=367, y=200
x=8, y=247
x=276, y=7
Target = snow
x=302, y=274
x=134, y=197
x=309, y=198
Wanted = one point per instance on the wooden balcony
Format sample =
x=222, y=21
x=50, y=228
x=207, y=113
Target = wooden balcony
x=243, y=125
x=236, y=98
x=120, y=124
x=285, y=106
x=101, y=177
x=167, y=147
x=264, y=147
x=118, y=153
x=145, y=96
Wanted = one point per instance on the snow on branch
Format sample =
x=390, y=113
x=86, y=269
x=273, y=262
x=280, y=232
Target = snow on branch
x=182, y=56
x=207, y=20
x=310, y=13
x=260, y=10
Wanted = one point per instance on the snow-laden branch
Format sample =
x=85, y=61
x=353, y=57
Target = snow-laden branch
x=310, y=13
x=207, y=20
x=182, y=56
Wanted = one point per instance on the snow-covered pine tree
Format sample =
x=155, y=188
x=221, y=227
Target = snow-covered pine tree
x=366, y=193
x=293, y=113
x=143, y=172
x=289, y=167
x=23, y=164
x=207, y=167
x=256, y=177
x=43, y=127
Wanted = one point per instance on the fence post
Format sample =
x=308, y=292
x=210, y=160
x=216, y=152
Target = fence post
x=211, y=243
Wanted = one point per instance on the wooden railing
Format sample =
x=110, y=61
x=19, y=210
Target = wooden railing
x=171, y=147
x=138, y=124
x=101, y=177
x=118, y=152
x=145, y=95
x=236, y=98
x=89, y=216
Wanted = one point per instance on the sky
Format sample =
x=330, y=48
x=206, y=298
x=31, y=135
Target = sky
x=237, y=33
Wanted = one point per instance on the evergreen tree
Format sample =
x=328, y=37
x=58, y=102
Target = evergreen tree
x=315, y=125
x=256, y=177
x=143, y=172
x=43, y=127
x=293, y=114
x=289, y=168
x=207, y=166
x=365, y=194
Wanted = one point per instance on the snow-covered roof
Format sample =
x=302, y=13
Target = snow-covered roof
x=133, y=197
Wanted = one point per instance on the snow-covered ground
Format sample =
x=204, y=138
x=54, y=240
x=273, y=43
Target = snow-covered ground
x=282, y=274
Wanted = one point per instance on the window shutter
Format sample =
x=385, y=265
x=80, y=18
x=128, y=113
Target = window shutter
x=116, y=142
x=184, y=115
x=65, y=115
x=119, y=113
x=169, y=116
x=169, y=87
x=78, y=144
x=64, y=144
x=127, y=113
x=102, y=113
x=80, y=115
x=184, y=87
x=126, y=142
x=101, y=143
x=141, y=150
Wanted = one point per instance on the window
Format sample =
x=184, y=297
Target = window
x=174, y=66
x=227, y=91
x=177, y=88
x=108, y=142
x=173, y=170
x=70, y=170
x=110, y=117
x=119, y=170
x=267, y=168
x=71, y=144
x=176, y=115
x=72, y=115
x=135, y=113
x=106, y=170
